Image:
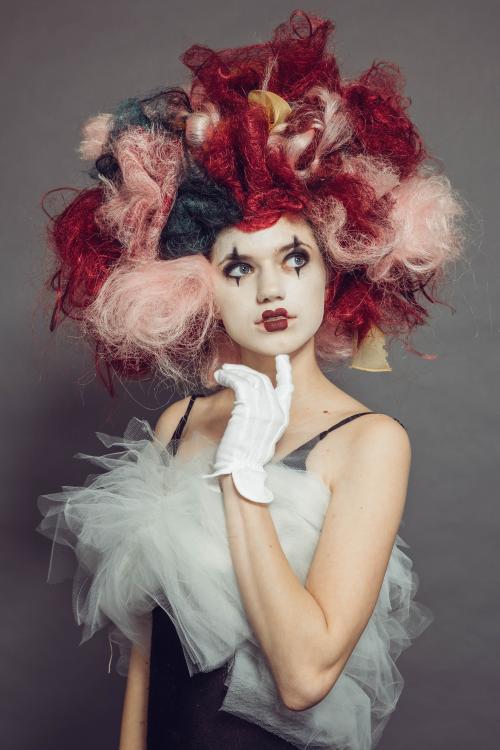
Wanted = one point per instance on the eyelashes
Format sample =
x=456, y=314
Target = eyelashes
x=303, y=254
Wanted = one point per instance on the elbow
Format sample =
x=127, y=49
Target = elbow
x=296, y=702
x=305, y=686
x=309, y=690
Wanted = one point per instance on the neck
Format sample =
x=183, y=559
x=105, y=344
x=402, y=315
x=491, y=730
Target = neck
x=308, y=380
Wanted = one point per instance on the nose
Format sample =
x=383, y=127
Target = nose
x=270, y=286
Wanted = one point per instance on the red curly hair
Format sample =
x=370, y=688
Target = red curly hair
x=178, y=166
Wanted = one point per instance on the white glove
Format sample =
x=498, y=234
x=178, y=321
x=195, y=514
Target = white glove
x=259, y=418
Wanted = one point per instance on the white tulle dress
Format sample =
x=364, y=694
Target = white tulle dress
x=149, y=531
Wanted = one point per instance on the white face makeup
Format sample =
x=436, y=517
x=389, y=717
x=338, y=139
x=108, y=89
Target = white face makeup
x=277, y=267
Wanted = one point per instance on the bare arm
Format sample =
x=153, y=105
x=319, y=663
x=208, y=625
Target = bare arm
x=307, y=633
x=135, y=706
x=133, y=732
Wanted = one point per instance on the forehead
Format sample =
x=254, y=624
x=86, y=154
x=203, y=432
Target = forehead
x=263, y=241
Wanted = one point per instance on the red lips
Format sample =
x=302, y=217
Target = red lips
x=274, y=314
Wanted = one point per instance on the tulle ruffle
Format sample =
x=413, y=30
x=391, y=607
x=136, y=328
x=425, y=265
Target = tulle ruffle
x=150, y=531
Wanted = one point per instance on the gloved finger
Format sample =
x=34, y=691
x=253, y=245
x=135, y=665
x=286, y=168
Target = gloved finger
x=257, y=395
x=248, y=370
x=284, y=382
x=251, y=395
x=229, y=380
x=256, y=379
x=283, y=370
x=235, y=380
x=237, y=365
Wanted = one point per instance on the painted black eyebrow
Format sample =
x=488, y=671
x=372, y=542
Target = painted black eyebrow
x=234, y=255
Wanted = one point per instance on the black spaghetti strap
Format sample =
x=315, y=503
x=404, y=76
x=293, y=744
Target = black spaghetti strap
x=344, y=421
x=349, y=419
x=182, y=422
x=290, y=456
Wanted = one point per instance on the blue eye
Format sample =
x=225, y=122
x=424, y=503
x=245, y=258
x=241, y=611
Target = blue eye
x=302, y=254
x=231, y=267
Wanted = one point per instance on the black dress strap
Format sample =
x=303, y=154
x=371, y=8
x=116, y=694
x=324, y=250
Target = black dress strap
x=349, y=419
x=344, y=421
x=297, y=457
x=182, y=421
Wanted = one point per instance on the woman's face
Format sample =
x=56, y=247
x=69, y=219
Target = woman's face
x=277, y=267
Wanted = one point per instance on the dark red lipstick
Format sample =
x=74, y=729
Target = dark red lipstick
x=275, y=320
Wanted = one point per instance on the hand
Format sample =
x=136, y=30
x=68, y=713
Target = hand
x=259, y=418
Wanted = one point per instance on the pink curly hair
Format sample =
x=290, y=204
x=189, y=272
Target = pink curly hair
x=133, y=254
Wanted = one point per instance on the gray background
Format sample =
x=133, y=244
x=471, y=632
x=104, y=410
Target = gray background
x=62, y=62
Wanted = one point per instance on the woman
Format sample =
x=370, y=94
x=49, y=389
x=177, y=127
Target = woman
x=273, y=216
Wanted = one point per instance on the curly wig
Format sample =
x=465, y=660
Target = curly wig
x=174, y=168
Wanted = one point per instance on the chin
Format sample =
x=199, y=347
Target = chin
x=275, y=345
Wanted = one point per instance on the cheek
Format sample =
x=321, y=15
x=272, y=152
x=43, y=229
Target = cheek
x=229, y=302
x=220, y=293
x=312, y=299
x=311, y=287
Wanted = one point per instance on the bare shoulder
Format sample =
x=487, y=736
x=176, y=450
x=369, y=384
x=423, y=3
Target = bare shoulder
x=381, y=436
x=376, y=471
x=381, y=443
x=372, y=441
x=208, y=415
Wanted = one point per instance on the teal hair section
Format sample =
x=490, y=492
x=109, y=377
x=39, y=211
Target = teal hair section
x=129, y=113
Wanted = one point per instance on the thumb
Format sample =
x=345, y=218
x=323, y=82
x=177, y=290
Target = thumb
x=284, y=384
